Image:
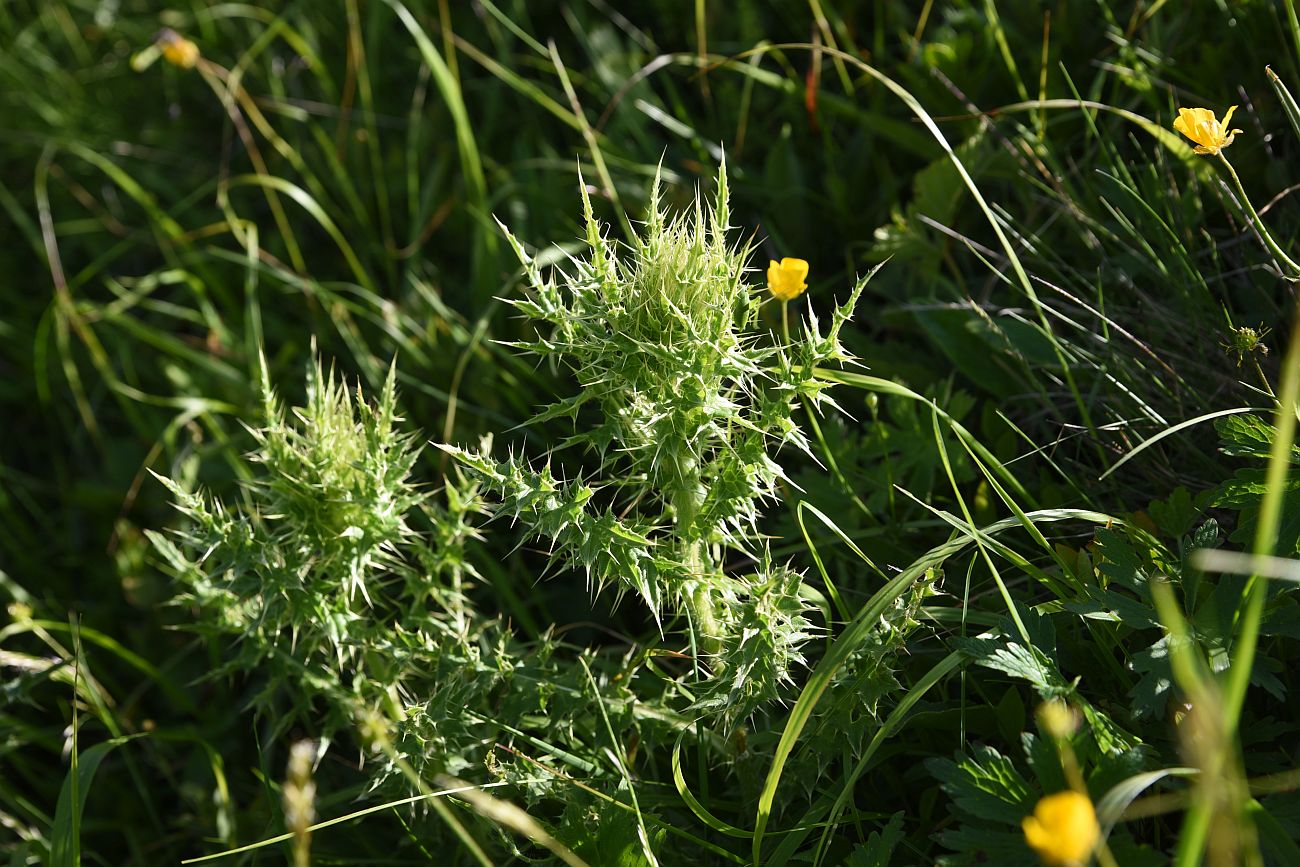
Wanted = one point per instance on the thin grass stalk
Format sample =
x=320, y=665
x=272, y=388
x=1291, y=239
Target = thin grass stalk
x=1284, y=261
x=1293, y=24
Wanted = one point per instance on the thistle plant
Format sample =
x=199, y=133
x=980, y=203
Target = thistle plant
x=684, y=402
x=337, y=574
x=337, y=586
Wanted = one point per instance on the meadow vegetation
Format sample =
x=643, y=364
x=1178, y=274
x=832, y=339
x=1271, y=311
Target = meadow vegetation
x=410, y=456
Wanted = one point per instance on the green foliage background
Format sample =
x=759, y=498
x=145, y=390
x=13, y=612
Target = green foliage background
x=273, y=279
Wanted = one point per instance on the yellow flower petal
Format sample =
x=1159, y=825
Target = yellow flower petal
x=797, y=267
x=1187, y=120
x=179, y=51
x=786, y=279
x=1063, y=829
x=1201, y=126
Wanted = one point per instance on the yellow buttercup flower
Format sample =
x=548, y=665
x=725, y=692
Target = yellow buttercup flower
x=785, y=279
x=1063, y=830
x=178, y=51
x=1200, y=125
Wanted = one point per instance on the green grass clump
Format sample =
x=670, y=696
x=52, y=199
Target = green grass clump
x=573, y=545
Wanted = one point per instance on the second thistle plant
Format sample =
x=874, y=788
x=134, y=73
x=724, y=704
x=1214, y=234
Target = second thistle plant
x=684, y=402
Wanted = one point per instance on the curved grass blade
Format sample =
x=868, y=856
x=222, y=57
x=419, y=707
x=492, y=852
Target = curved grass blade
x=471, y=162
x=65, y=843
x=1145, y=444
x=312, y=207
x=1111, y=806
x=942, y=669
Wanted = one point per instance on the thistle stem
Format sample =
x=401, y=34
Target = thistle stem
x=687, y=497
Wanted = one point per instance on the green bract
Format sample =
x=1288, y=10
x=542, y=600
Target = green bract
x=685, y=400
